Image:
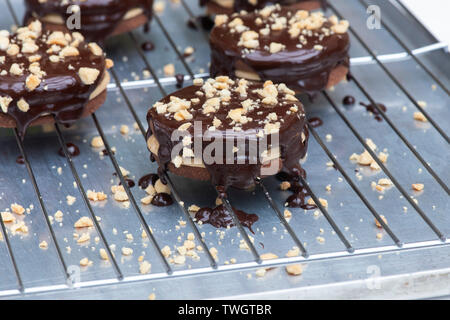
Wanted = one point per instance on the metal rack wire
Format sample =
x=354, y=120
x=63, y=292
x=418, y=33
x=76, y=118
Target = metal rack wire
x=398, y=245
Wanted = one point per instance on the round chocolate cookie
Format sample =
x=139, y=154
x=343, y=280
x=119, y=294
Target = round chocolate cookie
x=99, y=19
x=46, y=74
x=230, y=6
x=307, y=51
x=229, y=131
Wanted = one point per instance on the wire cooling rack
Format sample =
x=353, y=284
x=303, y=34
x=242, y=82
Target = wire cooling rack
x=342, y=251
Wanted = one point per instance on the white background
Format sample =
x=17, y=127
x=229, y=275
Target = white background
x=434, y=14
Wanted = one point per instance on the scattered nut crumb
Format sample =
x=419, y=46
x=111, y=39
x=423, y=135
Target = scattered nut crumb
x=294, y=269
x=43, y=245
x=378, y=224
x=169, y=69
x=419, y=116
x=85, y=262
x=97, y=142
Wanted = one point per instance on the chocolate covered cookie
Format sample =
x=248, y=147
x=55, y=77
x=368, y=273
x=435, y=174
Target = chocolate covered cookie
x=230, y=6
x=229, y=131
x=307, y=51
x=100, y=19
x=46, y=74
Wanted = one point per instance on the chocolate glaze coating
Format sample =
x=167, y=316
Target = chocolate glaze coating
x=293, y=135
x=246, y=5
x=99, y=18
x=304, y=69
x=61, y=91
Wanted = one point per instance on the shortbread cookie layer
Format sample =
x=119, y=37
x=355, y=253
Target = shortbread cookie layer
x=228, y=131
x=100, y=19
x=307, y=51
x=46, y=74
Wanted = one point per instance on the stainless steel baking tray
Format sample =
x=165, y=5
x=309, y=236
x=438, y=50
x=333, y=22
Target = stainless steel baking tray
x=410, y=259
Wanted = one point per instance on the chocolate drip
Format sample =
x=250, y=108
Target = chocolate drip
x=106, y=153
x=129, y=182
x=72, y=149
x=191, y=23
x=99, y=18
x=304, y=69
x=348, y=100
x=315, y=122
x=147, y=46
x=61, y=92
x=298, y=197
x=220, y=217
x=180, y=80
x=206, y=22
x=20, y=160
x=147, y=27
x=299, y=193
x=159, y=199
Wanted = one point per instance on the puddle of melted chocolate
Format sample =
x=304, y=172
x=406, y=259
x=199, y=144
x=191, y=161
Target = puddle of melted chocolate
x=180, y=80
x=348, y=100
x=147, y=46
x=130, y=182
x=219, y=217
x=349, y=76
x=373, y=109
x=71, y=148
x=148, y=179
x=206, y=22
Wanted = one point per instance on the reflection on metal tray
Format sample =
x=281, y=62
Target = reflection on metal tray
x=345, y=255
